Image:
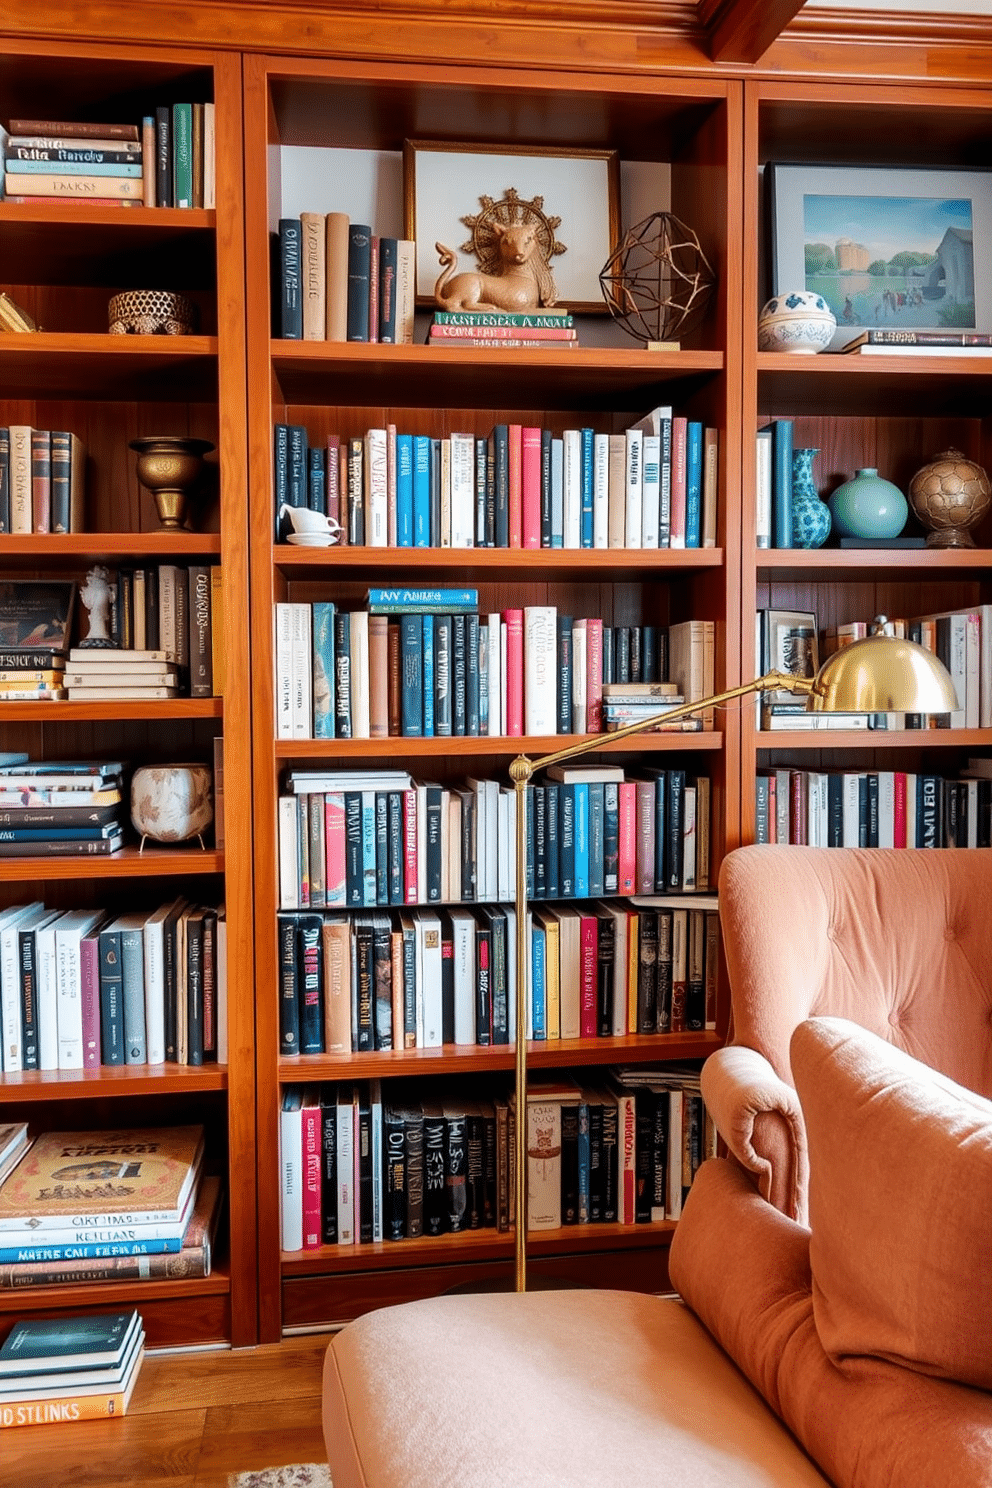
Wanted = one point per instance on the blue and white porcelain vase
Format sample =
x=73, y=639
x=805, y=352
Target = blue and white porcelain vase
x=810, y=517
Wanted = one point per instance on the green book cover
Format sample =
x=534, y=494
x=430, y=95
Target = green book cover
x=182, y=154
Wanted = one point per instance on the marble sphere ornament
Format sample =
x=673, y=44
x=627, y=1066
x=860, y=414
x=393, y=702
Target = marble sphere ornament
x=657, y=281
x=172, y=803
x=798, y=321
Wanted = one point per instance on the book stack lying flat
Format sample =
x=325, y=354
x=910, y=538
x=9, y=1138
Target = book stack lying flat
x=53, y=808
x=546, y=329
x=46, y=159
x=100, y=675
x=69, y=1369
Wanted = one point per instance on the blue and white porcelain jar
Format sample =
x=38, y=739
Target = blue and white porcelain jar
x=797, y=321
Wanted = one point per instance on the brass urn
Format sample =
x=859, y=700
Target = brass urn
x=168, y=465
x=950, y=495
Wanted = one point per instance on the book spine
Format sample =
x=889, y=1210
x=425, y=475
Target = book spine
x=182, y=155
x=41, y=480
x=200, y=631
x=359, y=269
x=290, y=279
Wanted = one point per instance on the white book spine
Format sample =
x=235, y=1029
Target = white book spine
x=375, y=1087
x=10, y=998
x=910, y=810
x=689, y=839
x=70, y=1018
x=283, y=679
x=433, y=1038
x=46, y=985
x=289, y=853
x=445, y=492
x=973, y=682
x=852, y=810
x=291, y=1166
x=572, y=488
x=463, y=939
x=650, y=490
x=617, y=499
x=462, y=490
x=601, y=491
x=557, y=493
x=511, y=973
x=377, y=493
x=504, y=846
x=360, y=677
x=579, y=676
x=886, y=808
x=154, y=953
x=345, y=1137
x=543, y=1165
x=763, y=490
x=633, y=484
x=540, y=669
x=495, y=722
x=302, y=690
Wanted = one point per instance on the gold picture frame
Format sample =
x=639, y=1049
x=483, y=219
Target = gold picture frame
x=446, y=182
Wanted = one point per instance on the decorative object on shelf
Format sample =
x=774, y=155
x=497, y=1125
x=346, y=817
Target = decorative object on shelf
x=13, y=318
x=95, y=595
x=949, y=496
x=151, y=312
x=798, y=321
x=575, y=190
x=834, y=230
x=811, y=520
x=36, y=614
x=868, y=506
x=172, y=803
x=657, y=281
x=168, y=466
x=310, y=529
x=880, y=674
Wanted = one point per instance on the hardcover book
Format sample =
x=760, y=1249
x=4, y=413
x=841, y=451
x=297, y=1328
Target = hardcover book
x=36, y=615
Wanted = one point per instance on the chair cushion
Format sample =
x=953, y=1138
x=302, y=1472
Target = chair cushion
x=899, y=1202
x=573, y=1389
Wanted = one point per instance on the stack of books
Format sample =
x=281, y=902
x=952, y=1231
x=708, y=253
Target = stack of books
x=52, y=160
x=35, y=626
x=115, y=1205
x=70, y=1369
x=546, y=329
x=100, y=675
x=633, y=702
x=56, y=808
x=41, y=479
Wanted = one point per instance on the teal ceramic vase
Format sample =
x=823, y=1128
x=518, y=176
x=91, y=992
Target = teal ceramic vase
x=810, y=518
x=868, y=506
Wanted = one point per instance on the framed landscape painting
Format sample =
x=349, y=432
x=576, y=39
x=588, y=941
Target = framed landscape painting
x=889, y=247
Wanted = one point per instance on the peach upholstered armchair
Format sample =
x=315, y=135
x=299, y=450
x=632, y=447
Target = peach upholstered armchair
x=897, y=941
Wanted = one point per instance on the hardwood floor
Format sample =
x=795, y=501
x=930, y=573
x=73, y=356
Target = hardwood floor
x=193, y=1419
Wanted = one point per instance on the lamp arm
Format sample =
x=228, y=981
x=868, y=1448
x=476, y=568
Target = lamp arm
x=521, y=771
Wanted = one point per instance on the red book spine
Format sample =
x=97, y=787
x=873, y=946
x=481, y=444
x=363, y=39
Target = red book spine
x=514, y=441
x=594, y=676
x=514, y=620
x=644, y=851
x=502, y=333
x=530, y=477
x=679, y=435
x=310, y=1119
x=899, y=810
x=89, y=999
x=588, y=954
x=627, y=867
x=410, y=847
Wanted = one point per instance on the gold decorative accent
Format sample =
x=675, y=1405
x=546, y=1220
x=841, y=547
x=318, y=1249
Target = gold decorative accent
x=168, y=465
x=151, y=312
x=950, y=495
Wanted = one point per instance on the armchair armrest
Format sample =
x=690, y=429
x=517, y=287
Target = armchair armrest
x=758, y=1116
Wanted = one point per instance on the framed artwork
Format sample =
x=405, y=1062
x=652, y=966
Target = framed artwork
x=36, y=614
x=789, y=644
x=890, y=247
x=452, y=193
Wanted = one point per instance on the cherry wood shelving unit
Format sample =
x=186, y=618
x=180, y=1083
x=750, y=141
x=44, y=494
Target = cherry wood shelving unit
x=62, y=262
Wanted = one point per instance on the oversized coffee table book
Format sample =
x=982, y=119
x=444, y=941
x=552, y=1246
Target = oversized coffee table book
x=69, y=1369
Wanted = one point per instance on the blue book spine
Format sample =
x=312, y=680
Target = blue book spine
x=317, y=480
x=694, y=484
x=412, y=676
x=582, y=841
x=133, y=970
x=501, y=447
x=291, y=297
x=442, y=676
x=597, y=823
x=585, y=1163
x=483, y=679
x=111, y=998
x=551, y=856
x=280, y=475
x=368, y=850
x=382, y=847
x=566, y=841
x=545, y=488
x=323, y=669
x=611, y=837
x=78, y=168
x=404, y=490
x=434, y=601
x=309, y=930
x=359, y=269
x=298, y=479
x=88, y=1250
x=531, y=800
x=557, y=494
x=539, y=991
x=428, y=675
x=472, y=709
x=539, y=833
x=58, y=834
x=421, y=491
x=395, y=825
x=781, y=483
x=459, y=676
x=585, y=517
x=388, y=255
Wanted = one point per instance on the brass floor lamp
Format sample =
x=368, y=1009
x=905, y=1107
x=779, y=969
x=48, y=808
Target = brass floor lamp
x=880, y=674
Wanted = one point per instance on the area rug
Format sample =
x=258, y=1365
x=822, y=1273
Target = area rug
x=298, y=1475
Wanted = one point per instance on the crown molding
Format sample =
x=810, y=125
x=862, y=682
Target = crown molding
x=892, y=28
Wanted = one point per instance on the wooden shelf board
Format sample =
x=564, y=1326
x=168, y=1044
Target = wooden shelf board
x=472, y=1245
x=64, y=1299
x=464, y=377
x=65, y=549
x=471, y=1059
x=463, y=746
x=861, y=739
x=77, y=711
x=901, y=563
x=159, y=1080
x=897, y=386
x=119, y=248
x=544, y=563
x=49, y=364
x=154, y=862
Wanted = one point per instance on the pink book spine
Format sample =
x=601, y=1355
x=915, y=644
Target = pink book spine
x=514, y=435
x=627, y=867
x=588, y=953
x=899, y=810
x=310, y=1118
x=89, y=999
x=530, y=462
x=644, y=851
x=514, y=671
x=410, y=847
x=679, y=427
x=594, y=676
x=335, y=872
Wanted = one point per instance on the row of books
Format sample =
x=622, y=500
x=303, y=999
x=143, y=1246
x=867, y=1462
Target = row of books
x=365, y=840
x=69, y=1369
x=788, y=641
x=42, y=480
x=439, y=671
x=59, y=808
x=169, y=162
x=521, y=486
x=51, y=1231
x=548, y=330
x=359, y=1169
x=875, y=808
x=429, y=978
x=83, y=988
x=339, y=281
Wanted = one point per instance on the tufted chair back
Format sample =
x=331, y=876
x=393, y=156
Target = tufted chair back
x=898, y=941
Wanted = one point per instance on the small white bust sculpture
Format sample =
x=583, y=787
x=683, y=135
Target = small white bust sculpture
x=95, y=595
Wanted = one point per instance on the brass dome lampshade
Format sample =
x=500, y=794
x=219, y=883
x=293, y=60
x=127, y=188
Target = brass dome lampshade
x=882, y=674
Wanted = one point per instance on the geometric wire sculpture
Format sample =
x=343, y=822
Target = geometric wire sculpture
x=657, y=280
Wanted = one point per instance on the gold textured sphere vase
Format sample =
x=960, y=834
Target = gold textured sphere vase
x=950, y=495
x=168, y=466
